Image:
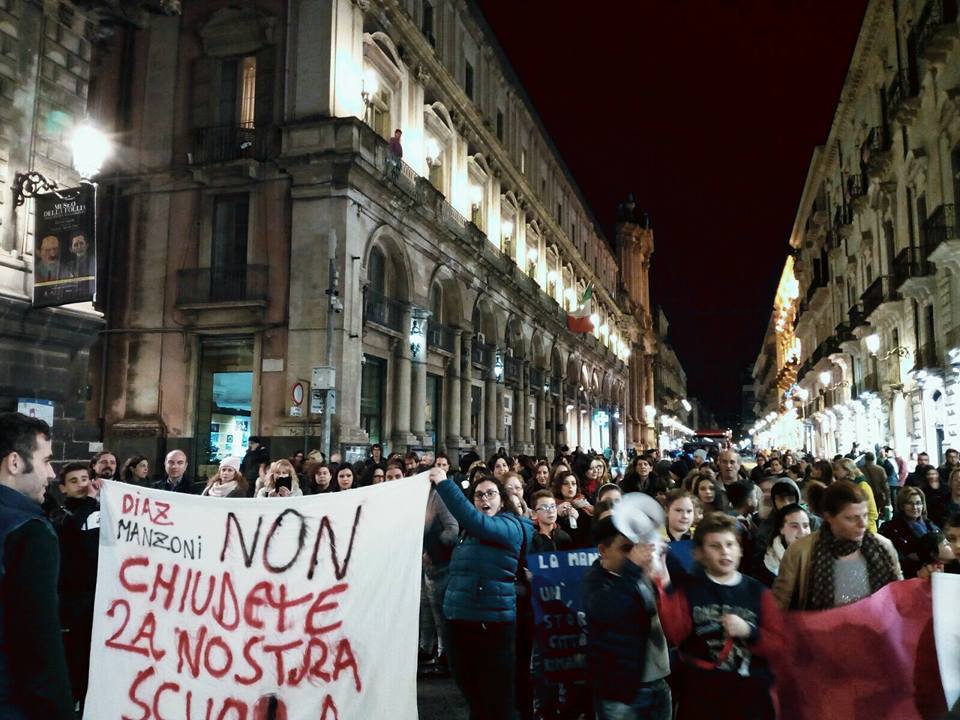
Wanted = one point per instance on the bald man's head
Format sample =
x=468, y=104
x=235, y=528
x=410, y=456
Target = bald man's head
x=175, y=464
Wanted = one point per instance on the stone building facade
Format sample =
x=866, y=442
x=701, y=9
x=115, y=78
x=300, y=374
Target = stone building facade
x=269, y=231
x=867, y=346
x=48, y=59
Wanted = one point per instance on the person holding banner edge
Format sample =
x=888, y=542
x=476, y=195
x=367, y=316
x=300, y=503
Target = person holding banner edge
x=480, y=602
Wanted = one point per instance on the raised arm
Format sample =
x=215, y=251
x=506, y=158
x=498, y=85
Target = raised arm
x=499, y=529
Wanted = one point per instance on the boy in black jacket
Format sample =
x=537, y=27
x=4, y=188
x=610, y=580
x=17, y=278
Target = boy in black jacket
x=79, y=551
x=627, y=658
x=724, y=624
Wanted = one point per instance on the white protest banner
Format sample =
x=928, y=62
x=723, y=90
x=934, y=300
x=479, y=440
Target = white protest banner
x=946, y=634
x=300, y=608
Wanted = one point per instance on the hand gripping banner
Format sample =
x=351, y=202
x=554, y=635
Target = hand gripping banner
x=301, y=608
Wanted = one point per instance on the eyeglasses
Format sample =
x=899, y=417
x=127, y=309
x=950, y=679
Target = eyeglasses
x=547, y=508
x=488, y=495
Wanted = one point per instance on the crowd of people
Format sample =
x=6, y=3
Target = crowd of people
x=675, y=627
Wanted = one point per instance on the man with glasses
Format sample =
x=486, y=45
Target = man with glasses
x=549, y=536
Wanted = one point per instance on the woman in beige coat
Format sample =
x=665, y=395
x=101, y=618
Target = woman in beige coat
x=840, y=563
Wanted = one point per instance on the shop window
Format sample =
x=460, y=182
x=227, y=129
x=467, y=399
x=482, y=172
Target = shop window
x=224, y=403
x=372, y=387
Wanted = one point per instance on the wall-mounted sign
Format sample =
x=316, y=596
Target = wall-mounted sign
x=64, y=253
x=296, y=394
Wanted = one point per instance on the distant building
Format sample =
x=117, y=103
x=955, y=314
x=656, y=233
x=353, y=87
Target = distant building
x=864, y=342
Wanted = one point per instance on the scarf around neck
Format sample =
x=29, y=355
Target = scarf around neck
x=223, y=489
x=829, y=548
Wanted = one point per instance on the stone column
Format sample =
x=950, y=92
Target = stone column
x=521, y=411
x=418, y=357
x=540, y=423
x=466, y=387
x=453, y=395
x=401, y=391
x=493, y=403
x=563, y=435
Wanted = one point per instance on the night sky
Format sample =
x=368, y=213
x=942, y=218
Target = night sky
x=709, y=112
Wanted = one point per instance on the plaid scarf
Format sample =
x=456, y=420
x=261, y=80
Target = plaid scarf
x=828, y=548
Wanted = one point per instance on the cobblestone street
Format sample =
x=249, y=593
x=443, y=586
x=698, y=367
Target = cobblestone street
x=440, y=700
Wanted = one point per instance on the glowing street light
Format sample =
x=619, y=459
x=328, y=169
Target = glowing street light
x=873, y=343
x=825, y=377
x=476, y=195
x=90, y=147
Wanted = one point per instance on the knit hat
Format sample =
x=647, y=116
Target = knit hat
x=700, y=453
x=232, y=462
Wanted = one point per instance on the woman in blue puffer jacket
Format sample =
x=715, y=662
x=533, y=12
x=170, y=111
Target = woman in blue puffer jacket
x=480, y=602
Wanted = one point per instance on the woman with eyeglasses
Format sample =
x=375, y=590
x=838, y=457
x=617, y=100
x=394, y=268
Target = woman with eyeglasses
x=480, y=603
x=908, y=528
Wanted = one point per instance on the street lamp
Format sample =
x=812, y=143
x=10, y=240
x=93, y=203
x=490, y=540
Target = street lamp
x=825, y=377
x=90, y=148
x=433, y=152
x=369, y=88
x=873, y=343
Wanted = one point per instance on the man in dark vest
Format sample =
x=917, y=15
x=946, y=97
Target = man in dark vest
x=34, y=682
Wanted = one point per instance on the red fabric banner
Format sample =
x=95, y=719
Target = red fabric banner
x=872, y=660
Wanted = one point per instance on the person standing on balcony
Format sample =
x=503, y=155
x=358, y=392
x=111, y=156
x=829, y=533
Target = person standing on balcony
x=396, y=155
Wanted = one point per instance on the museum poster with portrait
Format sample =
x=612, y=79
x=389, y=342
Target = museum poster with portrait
x=65, y=258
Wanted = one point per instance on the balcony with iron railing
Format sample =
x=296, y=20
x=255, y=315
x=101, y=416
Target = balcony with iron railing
x=383, y=311
x=881, y=290
x=875, y=151
x=935, y=28
x=244, y=284
x=440, y=337
x=512, y=368
x=224, y=143
x=536, y=379
x=857, y=189
x=940, y=227
x=857, y=318
x=902, y=95
x=481, y=354
x=911, y=262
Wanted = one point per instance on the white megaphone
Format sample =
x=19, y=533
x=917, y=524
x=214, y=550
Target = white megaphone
x=638, y=517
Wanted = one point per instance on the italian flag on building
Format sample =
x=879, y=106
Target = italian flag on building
x=578, y=321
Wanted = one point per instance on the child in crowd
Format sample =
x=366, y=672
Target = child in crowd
x=627, y=657
x=79, y=536
x=680, y=516
x=724, y=624
x=549, y=537
x=951, y=530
